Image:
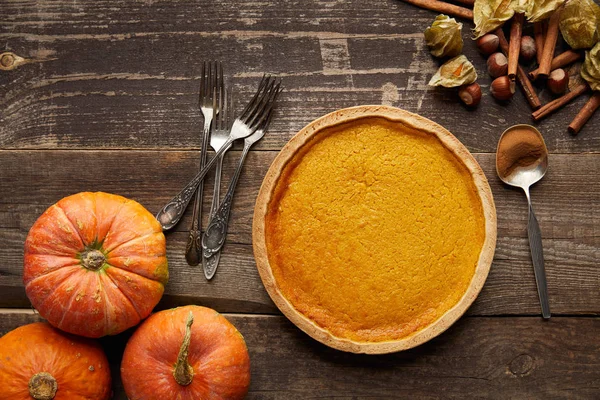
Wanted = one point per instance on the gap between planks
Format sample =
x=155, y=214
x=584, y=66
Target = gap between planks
x=28, y=311
x=197, y=149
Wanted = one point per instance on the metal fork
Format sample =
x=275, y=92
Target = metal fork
x=214, y=236
x=253, y=115
x=211, y=97
x=218, y=137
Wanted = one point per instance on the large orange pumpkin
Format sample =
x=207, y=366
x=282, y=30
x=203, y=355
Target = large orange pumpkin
x=186, y=353
x=43, y=363
x=95, y=264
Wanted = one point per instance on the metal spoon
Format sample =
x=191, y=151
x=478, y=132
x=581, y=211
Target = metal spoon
x=521, y=161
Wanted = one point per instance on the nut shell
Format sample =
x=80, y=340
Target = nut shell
x=488, y=44
x=497, y=65
x=470, y=94
x=502, y=88
x=528, y=49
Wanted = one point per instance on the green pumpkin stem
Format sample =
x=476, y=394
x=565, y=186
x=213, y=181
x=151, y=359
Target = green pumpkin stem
x=42, y=386
x=183, y=372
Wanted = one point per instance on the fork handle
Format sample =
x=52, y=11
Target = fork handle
x=217, y=189
x=210, y=264
x=215, y=233
x=193, y=249
x=172, y=212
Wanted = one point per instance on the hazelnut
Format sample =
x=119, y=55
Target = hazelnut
x=470, y=94
x=502, y=88
x=528, y=49
x=558, y=81
x=488, y=44
x=497, y=65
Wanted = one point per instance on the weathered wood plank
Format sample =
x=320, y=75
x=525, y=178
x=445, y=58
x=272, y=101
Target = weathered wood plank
x=495, y=358
x=571, y=268
x=567, y=203
x=125, y=75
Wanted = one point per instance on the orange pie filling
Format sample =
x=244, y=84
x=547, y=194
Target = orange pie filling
x=374, y=230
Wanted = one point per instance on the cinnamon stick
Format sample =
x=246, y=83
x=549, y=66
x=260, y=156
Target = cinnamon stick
x=470, y=3
x=559, y=103
x=549, y=44
x=538, y=36
x=561, y=60
x=522, y=78
x=443, y=7
x=516, y=31
x=585, y=113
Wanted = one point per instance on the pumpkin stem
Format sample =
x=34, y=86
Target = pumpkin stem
x=42, y=386
x=92, y=259
x=183, y=372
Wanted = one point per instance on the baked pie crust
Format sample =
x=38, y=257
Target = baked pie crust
x=374, y=229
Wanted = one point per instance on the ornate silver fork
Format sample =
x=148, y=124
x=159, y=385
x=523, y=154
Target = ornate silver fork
x=214, y=236
x=218, y=137
x=211, y=97
x=253, y=115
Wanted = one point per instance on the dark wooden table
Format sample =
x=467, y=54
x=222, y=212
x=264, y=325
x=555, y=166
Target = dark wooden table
x=109, y=103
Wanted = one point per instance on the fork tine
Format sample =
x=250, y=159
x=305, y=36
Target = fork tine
x=266, y=104
x=268, y=110
x=258, y=104
x=221, y=89
x=224, y=110
x=261, y=119
x=231, y=111
x=265, y=124
x=261, y=86
x=202, y=82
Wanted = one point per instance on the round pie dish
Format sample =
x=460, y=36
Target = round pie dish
x=374, y=229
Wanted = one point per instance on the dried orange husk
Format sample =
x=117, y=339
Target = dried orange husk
x=443, y=37
x=491, y=14
x=579, y=23
x=455, y=72
x=590, y=70
x=538, y=10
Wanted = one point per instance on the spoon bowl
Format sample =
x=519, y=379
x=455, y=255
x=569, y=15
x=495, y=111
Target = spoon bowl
x=521, y=161
x=522, y=156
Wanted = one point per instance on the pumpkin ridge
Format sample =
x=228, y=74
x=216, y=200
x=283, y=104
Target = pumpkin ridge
x=74, y=263
x=113, y=218
x=133, y=305
x=106, y=322
x=57, y=288
x=71, y=299
x=134, y=273
x=112, y=222
x=46, y=225
x=133, y=240
x=75, y=229
x=73, y=272
x=154, y=276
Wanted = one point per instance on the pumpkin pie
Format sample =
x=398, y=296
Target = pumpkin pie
x=374, y=229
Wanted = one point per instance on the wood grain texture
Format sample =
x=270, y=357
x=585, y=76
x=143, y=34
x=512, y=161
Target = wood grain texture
x=558, y=359
x=108, y=101
x=111, y=74
x=567, y=203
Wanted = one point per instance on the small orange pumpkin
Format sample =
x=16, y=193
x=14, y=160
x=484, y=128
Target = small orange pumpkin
x=42, y=363
x=189, y=352
x=95, y=264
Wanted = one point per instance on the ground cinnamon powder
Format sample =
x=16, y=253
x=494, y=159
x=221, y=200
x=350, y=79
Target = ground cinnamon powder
x=521, y=147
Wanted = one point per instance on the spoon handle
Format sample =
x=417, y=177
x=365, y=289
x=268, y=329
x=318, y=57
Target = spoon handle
x=537, y=256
